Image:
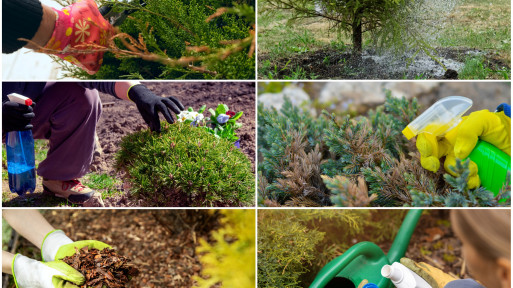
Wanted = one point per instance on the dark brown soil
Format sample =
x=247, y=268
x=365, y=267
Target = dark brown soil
x=160, y=243
x=328, y=63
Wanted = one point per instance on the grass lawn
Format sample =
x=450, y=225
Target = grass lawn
x=472, y=24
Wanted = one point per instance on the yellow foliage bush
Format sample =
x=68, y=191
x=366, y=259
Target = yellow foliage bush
x=230, y=260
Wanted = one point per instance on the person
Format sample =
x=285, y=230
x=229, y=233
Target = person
x=66, y=113
x=492, y=127
x=486, y=238
x=51, y=272
x=77, y=33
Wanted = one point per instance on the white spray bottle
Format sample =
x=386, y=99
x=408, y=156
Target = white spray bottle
x=402, y=277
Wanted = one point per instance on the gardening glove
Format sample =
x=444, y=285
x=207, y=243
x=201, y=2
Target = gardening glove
x=57, y=245
x=150, y=104
x=81, y=28
x=492, y=127
x=434, y=276
x=29, y=273
x=16, y=117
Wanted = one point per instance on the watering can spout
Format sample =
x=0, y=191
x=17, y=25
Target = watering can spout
x=364, y=260
x=402, y=239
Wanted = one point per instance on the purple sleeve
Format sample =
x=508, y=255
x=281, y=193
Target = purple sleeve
x=105, y=87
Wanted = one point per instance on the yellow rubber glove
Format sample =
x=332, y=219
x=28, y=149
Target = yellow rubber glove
x=492, y=127
x=434, y=276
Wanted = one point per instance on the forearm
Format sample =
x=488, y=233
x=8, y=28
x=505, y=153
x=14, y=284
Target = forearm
x=29, y=223
x=45, y=30
x=7, y=262
x=117, y=89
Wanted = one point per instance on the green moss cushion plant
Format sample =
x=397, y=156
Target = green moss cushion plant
x=186, y=166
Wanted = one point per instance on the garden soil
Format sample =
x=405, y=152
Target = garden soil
x=160, y=243
x=328, y=63
x=120, y=118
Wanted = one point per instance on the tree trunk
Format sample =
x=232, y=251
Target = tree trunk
x=357, y=34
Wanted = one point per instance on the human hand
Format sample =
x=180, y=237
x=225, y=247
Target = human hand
x=492, y=127
x=57, y=245
x=434, y=276
x=16, y=117
x=150, y=104
x=80, y=27
x=29, y=273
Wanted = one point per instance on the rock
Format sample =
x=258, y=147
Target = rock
x=296, y=95
x=354, y=95
x=451, y=74
x=485, y=95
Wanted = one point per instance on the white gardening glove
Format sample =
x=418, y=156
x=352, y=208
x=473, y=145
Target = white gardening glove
x=51, y=244
x=29, y=273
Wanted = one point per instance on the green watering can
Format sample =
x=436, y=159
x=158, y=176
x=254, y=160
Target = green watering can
x=364, y=260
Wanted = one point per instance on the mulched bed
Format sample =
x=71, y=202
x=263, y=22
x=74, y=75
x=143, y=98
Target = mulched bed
x=160, y=243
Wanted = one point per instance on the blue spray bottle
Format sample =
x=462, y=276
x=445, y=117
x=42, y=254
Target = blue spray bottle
x=20, y=155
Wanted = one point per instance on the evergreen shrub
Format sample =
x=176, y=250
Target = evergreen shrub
x=186, y=166
x=353, y=161
x=172, y=29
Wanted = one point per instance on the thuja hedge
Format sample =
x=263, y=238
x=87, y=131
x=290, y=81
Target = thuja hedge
x=340, y=160
x=186, y=166
x=168, y=27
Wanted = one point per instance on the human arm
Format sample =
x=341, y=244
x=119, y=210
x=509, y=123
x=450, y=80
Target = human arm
x=29, y=223
x=148, y=104
x=78, y=33
x=36, y=24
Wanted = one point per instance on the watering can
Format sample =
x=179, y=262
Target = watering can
x=364, y=260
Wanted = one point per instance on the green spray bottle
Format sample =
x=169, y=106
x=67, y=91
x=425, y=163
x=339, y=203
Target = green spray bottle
x=493, y=164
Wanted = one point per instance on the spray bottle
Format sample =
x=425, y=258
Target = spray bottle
x=402, y=277
x=20, y=155
x=493, y=164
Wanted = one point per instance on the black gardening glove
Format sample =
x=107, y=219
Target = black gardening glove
x=16, y=117
x=150, y=104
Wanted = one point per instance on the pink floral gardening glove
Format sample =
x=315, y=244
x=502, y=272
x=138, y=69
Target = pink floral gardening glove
x=77, y=27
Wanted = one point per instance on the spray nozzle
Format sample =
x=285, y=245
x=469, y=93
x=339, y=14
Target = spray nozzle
x=15, y=97
x=441, y=117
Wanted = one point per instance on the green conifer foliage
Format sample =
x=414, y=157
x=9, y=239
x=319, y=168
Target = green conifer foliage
x=359, y=161
x=171, y=29
x=186, y=166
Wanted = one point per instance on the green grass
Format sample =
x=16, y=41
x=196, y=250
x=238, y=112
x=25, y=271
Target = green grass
x=485, y=25
x=102, y=182
x=476, y=68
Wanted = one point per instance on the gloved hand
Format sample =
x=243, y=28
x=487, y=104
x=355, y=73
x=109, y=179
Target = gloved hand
x=492, y=127
x=80, y=26
x=57, y=245
x=16, y=117
x=150, y=104
x=29, y=273
x=434, y=276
